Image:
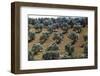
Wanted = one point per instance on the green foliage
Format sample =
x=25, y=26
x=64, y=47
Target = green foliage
x=31, y=36
x=58, y=37
x=44, y=37
x=51, y=55
x=65, y=28
x=69, y=48
x=73, y=35
x=53, y=47
x=30, y=56
x=50, y=29
x=36, y=48
x=77, y=28
x=66, y=56
x=86, y=49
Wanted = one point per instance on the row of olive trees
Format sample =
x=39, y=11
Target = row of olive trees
x=59, y=22
x=58, y=37
x=52, y=52
x=53, y=23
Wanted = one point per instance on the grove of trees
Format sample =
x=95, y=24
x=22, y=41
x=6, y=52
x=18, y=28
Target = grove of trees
x=71, y=27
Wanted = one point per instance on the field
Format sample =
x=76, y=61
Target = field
x=78, y=50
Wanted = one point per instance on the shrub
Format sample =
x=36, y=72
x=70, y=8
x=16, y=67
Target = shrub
x=73, y=36
x=50, y=29
x=58, y=37
x=44, y=37
x=65, y=28
x=86, y=49
x=51, y=55
x=38, y=27
x=31, y=36
x=77, y=28
x=53, y=47
x=36, y=48
x=69, y=48
x=30, y=56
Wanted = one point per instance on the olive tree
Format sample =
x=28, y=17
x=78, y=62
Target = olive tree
x=84, y=21
x=51, y=55
x=65, y=28
x=77, y=28
x=50, y=29
x=30, y=56
x=47, y=21
x=53, y=47
x=65, y=56
x=31, y=36
x=70, y=22
x=73, y=36
x=86, y=49
x=55, y=26
x=52, y=52
x=38, y=27
x=58, y=37
x=44, y=37
x=31, y=21
x=36, y=48
x=69, y=48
